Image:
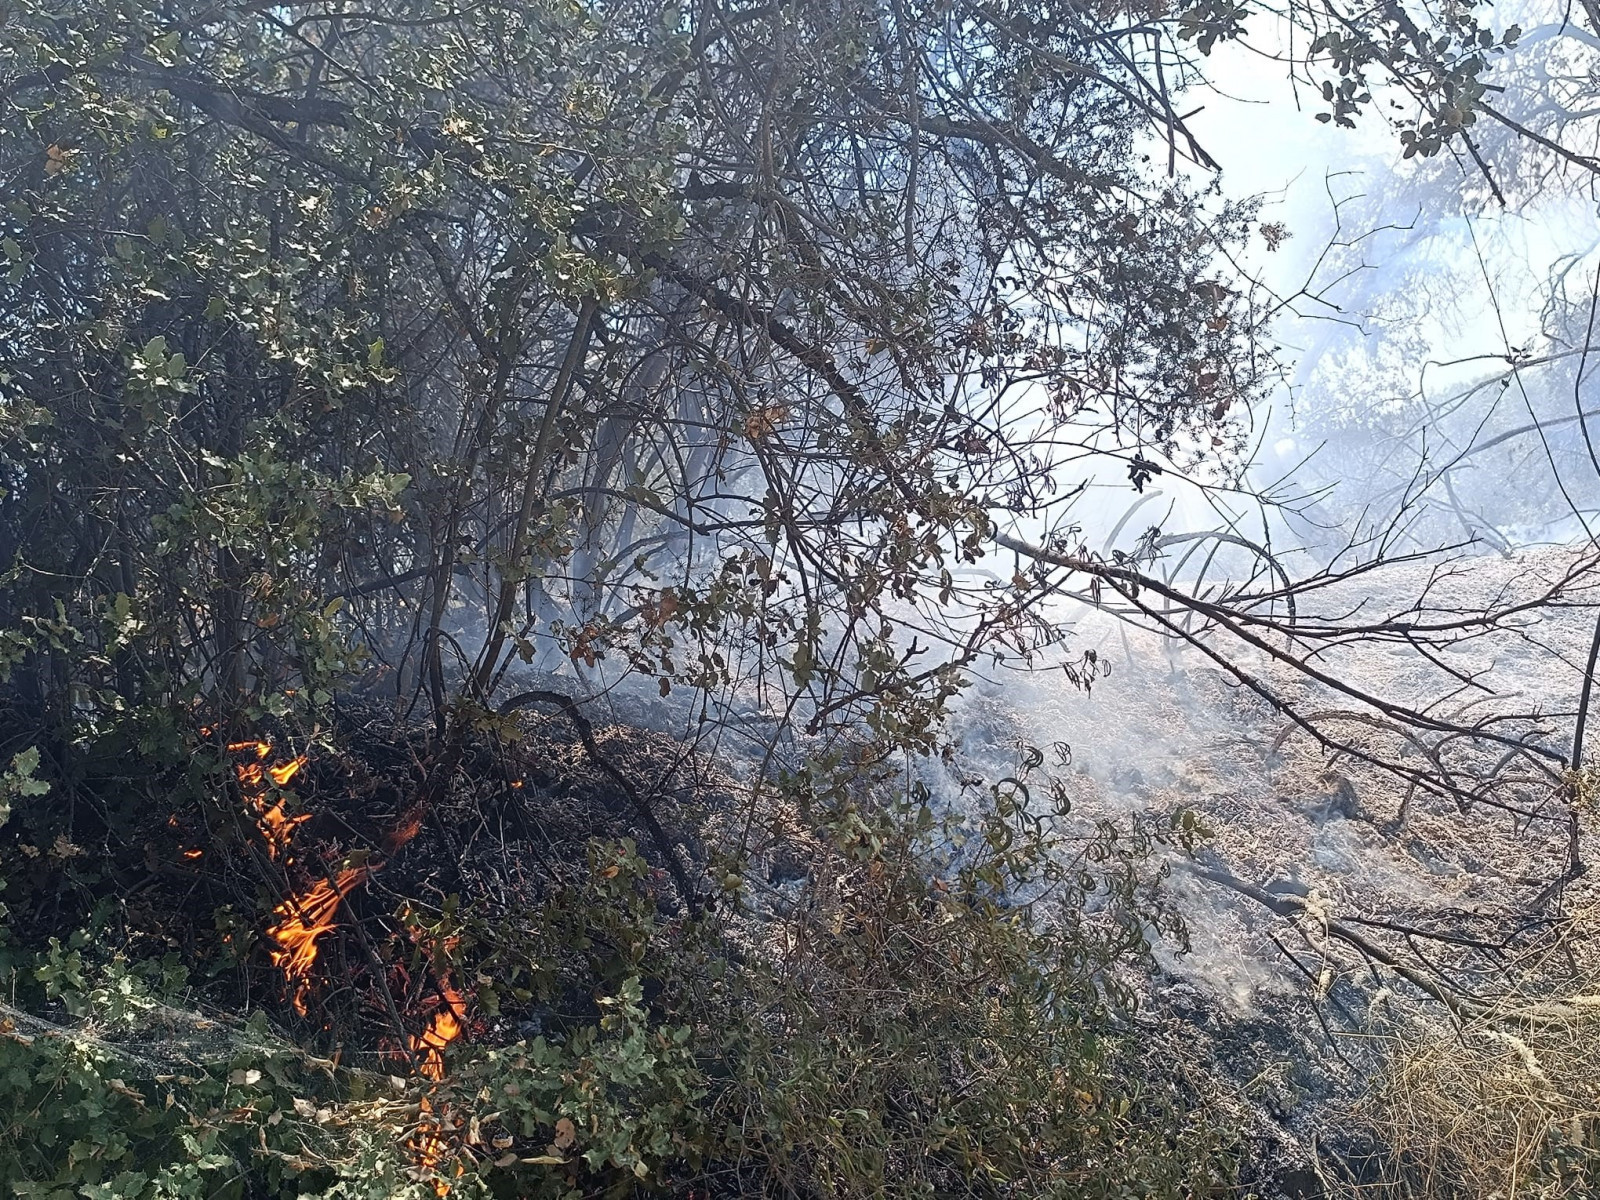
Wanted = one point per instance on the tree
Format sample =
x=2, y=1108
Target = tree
x=730, y=343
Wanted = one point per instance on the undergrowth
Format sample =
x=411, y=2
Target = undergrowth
x=931, y=1010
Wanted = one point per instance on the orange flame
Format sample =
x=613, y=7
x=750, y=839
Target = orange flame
x=281, y=774
x=277, y=826
x=428, y=1143
x=447, y=1023
x=444, y=1027
x=409, y=825
x=305, y=919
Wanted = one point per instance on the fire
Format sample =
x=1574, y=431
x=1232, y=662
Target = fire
x=276, y=825
x=281, y=775
x=305, y=919
x=409, y=825
x=444, y=1027
x=428, y=1143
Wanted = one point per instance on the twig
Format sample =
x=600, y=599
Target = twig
x=664, y=844
x=1576, y=759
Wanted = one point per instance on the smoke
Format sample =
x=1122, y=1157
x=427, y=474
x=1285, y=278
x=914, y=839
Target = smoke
x=1167, y=730
x=1437, y=332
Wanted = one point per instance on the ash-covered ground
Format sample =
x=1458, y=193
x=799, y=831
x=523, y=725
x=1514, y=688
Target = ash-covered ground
x=1461, y=907
x=1301, y=1025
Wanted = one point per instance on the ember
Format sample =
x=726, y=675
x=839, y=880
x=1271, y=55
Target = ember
x=409, y=826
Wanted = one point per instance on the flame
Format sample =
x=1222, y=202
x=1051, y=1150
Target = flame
x=305, y=919
x=428, y=1143
x=276, y=825
x=444, y=1027
x=281, y=774
x=410, y=824
x=447, y=1023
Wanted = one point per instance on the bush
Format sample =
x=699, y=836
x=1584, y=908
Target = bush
x=902, y=1025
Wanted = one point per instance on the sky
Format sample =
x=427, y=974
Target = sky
x=1454, y=282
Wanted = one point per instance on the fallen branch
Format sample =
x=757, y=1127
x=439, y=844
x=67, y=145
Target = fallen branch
x=1541, y=1014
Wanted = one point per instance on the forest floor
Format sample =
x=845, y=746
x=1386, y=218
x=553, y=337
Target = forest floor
x=1306, y=1030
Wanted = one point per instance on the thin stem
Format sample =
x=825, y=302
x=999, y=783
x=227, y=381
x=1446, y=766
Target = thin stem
x=1583, y=700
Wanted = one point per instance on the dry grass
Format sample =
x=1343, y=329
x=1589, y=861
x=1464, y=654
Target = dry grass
x=1499, y=1109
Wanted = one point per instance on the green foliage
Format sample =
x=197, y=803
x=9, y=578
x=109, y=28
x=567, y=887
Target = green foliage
x=279, y=333
x=622, y=1099
x=18, y=782
x=911, y=1033
x=339, y=352
x=133, y=1099
x=1433, y=59
x=138, y=1099
x=909, y=1026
